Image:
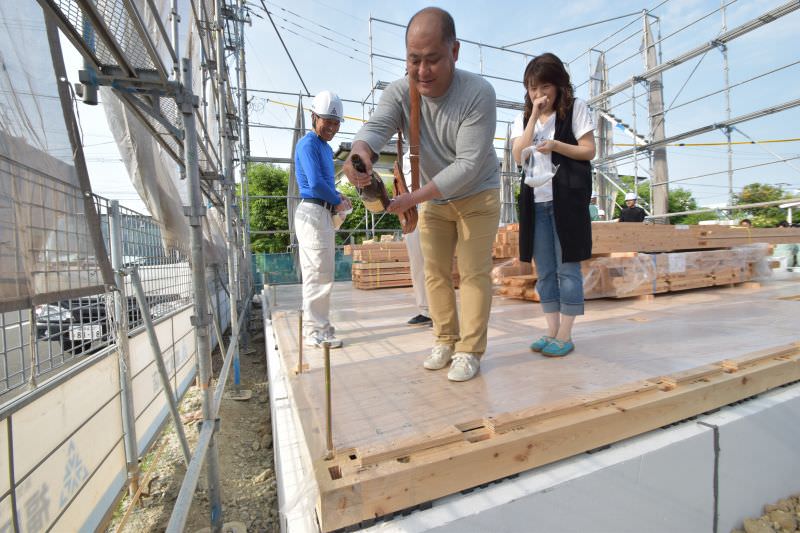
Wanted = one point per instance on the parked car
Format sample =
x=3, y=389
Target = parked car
x=82, y=324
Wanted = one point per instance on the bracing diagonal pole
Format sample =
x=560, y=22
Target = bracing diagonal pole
x=166, y=386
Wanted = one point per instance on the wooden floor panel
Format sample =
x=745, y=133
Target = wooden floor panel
x=383, y=399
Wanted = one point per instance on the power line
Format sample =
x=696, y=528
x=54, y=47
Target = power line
x=335, y=32
x=571, y=29
x=725, y=171
x=284, y=47
x=612, y=34
x=687, y=26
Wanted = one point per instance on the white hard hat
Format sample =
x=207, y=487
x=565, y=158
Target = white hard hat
x=327, y=105
x=630, y=196
x=594, y=194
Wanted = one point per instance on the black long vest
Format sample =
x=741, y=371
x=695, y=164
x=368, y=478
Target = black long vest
x=572, y=189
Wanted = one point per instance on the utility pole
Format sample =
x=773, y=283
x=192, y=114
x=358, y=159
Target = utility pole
x=599, y=85
x=659, y=183
x=228, y=184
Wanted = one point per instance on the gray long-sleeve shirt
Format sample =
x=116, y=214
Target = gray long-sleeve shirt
x=456, y=134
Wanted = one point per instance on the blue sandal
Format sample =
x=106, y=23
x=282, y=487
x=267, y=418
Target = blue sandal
x=539, y=345
x=557, y=348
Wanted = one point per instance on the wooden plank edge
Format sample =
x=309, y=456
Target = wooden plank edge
x=509, y=421
x=396, y=449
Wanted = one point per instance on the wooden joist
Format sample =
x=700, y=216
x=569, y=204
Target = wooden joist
x=378, y=265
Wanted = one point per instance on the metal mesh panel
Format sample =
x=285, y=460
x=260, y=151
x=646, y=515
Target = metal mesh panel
x=162, y=132
x=38, y=342
x=119, y=24
x=165, y=273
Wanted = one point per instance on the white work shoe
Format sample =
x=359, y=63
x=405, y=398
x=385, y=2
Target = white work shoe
x=317, y=339
x=332, y=341
x=312, y=339
x=439, y=358
x=464, y=367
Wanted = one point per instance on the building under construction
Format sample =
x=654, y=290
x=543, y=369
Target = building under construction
x=670, y=415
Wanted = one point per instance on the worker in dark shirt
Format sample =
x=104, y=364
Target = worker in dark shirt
x=632, y=212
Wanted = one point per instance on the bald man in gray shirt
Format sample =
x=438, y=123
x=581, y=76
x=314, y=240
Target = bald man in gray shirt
x=459, y=196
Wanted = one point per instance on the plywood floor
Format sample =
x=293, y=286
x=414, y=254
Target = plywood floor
x=382, y=396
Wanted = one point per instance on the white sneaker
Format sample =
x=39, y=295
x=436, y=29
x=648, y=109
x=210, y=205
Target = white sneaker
x=312, y=339
x=439, y=358
x=464, y=367
x=332, y=341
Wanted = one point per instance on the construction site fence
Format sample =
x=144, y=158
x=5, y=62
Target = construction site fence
x=63, y=389
x=284, y=268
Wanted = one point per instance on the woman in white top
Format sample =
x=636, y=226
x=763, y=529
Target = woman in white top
x=553, y=139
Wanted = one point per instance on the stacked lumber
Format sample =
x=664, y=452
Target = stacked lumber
x=385, y=264
x=506, y=243
x=640, y=274
x=626, y=237
x=626, y=274
x=378, y=265
x=522, y=287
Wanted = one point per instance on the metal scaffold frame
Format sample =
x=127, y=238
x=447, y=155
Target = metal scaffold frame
x=650, y=148
x=162, y=99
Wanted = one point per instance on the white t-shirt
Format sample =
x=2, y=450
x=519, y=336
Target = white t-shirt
x=581, y=125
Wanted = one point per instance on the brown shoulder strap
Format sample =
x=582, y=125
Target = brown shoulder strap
x=414, y=133
x=400, y=149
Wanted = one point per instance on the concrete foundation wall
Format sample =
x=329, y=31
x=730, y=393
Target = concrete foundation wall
x=662, y=481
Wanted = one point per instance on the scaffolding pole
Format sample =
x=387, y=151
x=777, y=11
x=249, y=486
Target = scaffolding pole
x=605, y=198
x=196, y=212
x=726, y=75
x=123, y=350
x=228, y=186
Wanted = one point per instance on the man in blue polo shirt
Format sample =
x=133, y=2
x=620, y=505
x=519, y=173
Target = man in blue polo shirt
x=313, y=219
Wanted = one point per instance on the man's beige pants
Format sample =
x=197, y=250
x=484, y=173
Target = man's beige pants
x=465, y=228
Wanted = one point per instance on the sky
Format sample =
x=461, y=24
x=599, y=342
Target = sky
x=330, y=43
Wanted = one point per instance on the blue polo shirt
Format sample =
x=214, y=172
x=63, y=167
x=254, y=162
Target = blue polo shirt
x=313, y=160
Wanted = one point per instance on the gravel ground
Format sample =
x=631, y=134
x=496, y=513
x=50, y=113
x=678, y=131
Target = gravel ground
x=781, y=517
x=244, y=445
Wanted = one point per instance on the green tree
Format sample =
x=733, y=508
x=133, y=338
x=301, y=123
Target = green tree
x=682, y=200
x=765, y=217
x=268, y=214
